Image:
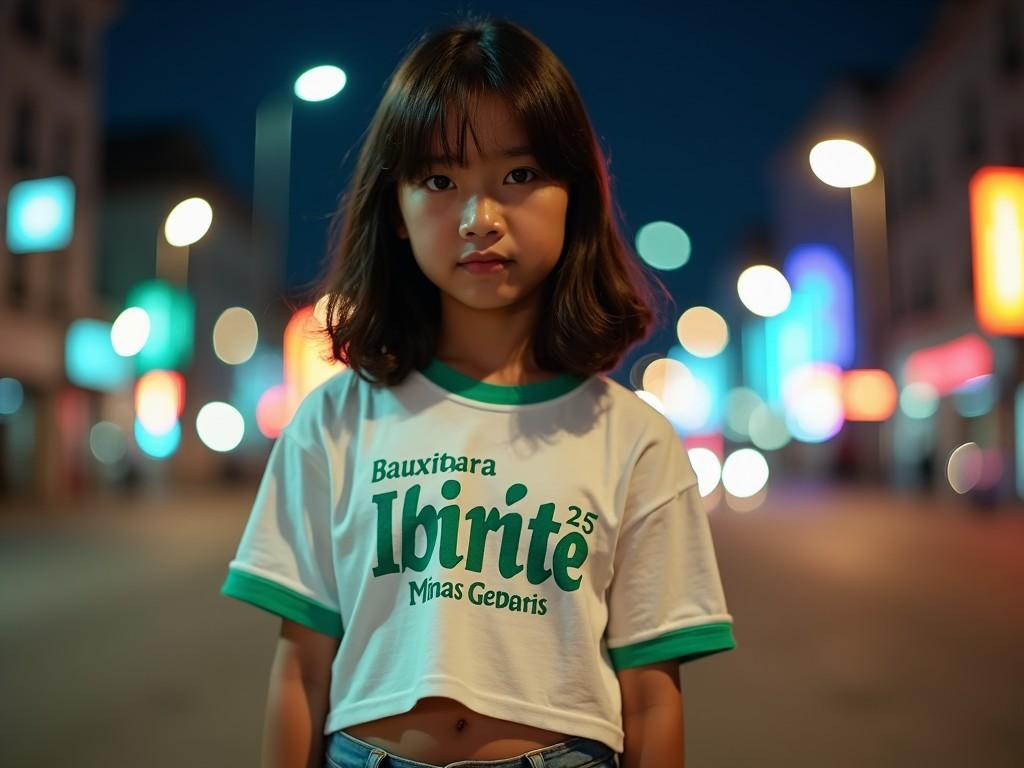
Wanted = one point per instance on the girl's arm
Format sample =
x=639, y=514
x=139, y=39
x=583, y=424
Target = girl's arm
x=298, y=698
x=652, y=716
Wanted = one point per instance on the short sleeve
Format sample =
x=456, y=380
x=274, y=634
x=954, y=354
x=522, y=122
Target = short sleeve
x=284, y=562
x=665, y=600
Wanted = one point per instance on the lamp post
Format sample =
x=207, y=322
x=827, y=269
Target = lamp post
x=847, y=164
x=272, y=157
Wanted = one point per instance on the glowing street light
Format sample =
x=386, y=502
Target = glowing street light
x=188, y=221
x=320, y=83
x=842, y=163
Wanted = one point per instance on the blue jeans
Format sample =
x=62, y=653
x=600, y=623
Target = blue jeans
x=345, y=751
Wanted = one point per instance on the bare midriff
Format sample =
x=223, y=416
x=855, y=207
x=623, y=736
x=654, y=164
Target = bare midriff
x=439, y=730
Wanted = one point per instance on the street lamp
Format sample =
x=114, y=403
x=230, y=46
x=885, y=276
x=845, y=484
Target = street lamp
x=847, y=164
x=272, y=160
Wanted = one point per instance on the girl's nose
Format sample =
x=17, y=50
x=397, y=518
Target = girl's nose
x=481, y=220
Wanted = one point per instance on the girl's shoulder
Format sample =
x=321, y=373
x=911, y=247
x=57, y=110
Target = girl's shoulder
x=326, y=408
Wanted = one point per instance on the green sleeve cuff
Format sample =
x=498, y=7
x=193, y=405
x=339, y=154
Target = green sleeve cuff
x=685, y=644
x=277, y=599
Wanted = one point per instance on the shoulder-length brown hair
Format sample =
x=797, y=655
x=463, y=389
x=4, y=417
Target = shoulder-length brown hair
x=382, y=313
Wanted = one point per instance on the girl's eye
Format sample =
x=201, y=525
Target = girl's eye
x=514, y=170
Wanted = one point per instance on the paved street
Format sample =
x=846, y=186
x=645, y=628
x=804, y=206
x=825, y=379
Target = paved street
x=870, y=631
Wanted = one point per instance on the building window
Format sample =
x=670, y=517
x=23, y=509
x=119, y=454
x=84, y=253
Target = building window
x=58, y=284
x=64, y=152
x=28, y=20
x=1015, y=145
x=16, y=280
x=69, y=41
x=922, y=285
x=972, y=130
x=1009, y=33
x=23, y=150
x=917, y=187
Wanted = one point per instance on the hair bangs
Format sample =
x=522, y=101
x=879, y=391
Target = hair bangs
x=421, y=124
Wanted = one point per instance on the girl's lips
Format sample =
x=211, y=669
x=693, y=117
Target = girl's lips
x=484, y=267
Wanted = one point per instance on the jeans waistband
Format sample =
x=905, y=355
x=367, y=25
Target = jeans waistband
x=346, y=751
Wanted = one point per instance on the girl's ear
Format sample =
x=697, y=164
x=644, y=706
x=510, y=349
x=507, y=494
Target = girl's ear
x=402, y=231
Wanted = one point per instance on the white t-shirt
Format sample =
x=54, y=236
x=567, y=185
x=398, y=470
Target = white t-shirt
x=509, y=547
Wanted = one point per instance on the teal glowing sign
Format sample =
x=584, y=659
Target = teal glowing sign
x=40, y=215
x=171, y=325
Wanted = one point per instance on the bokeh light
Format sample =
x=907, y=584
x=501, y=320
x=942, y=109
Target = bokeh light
x=220, y=426
x=272, y=411
x=768, y=430
x=89, y=357
x=157, y=446
x=130, y=331
x=763, y=290
x=964, y=467
x=702, y=332
x=868, y=394
x=740, y=403
x=107, y=442
x=40, y=215
x=235, y=335
x=684, y=399
x=159, y=400
x=708, y=468
x=663, y=245
x=919, y=400
x=977, y=396
x=842, y=163
x=12, y=395
x=814, y=404
x=320, y=83
x=744, y=473
x=188, y=221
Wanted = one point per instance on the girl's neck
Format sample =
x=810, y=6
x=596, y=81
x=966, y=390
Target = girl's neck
x=493, y=346
x=515, y=373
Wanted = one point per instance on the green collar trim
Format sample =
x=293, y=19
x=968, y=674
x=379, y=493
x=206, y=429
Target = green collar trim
x=460, y=384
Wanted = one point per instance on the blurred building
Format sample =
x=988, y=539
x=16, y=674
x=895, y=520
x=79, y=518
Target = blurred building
x=51, y=60
x=147, y=173
x=955, y=105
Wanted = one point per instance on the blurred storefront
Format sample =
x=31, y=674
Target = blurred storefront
x=954, y=107
x=51, y=59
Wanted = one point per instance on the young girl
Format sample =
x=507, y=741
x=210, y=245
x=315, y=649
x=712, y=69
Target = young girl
x=484, y=551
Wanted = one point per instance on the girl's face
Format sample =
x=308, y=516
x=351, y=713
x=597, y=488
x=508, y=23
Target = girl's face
x=499, y=203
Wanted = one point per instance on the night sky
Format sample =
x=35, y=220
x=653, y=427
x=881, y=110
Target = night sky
x=688, y=99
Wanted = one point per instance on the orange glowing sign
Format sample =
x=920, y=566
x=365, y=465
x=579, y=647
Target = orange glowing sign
x=949, y=365
x=868, y=395
x=307, y=361
x=159, y=400
x=997, y=239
